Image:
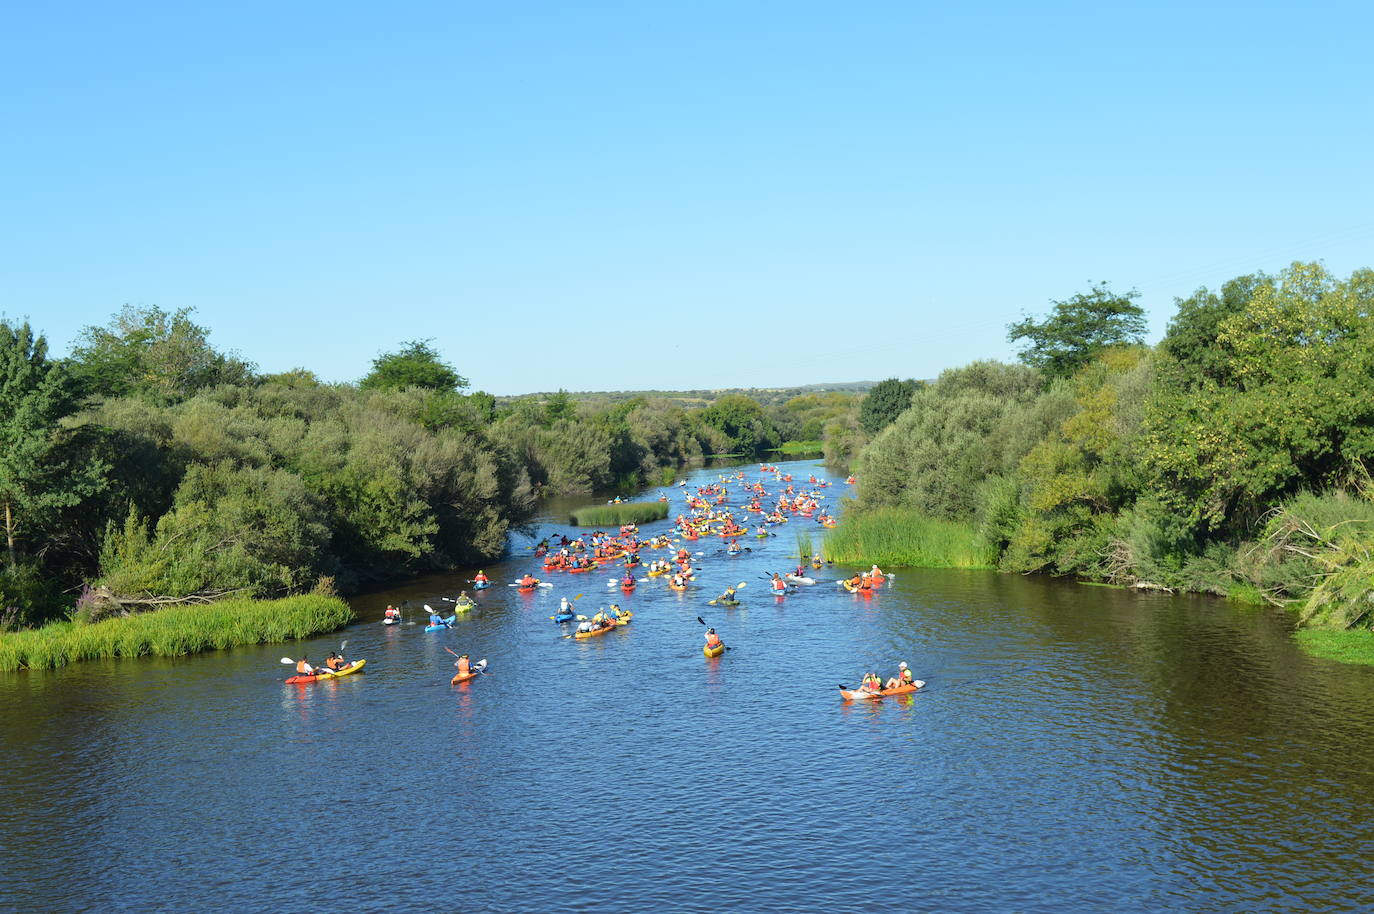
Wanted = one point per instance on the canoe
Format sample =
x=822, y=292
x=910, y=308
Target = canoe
x=353, y=667
x=445, y=624
x=856, y=695
x=714, y=651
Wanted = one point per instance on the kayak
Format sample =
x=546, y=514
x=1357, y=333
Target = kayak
x=560, y=618
x=463, y=607
x=627, y=588
x=856, y=695
x=480, y=585
x=798, y=579
x=672, y=586
x=624, y=620
x=728, y=602
x=464, y=677
x=445, y=624
x=353, y=667
x=391, y=621
x=852, y=589
x=526, y=589
x=714, y=651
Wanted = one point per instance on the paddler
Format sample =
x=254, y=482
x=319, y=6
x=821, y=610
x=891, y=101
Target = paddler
x=480, y=578
x=393, y=613
x=628, y=582
x=727, y=597
x=463, y=664
x=303, y=666
x=529, y=581
x=712, y=639
x=733, y=548
x=564, y=607
x=778, y=584
x=903, y=677
x=334, y=662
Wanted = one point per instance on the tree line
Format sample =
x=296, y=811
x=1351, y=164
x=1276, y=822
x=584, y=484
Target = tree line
x=1231, y=458
x=149, y=467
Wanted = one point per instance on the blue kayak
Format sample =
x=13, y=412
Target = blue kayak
x=445, y=624
x=564, y=617
x=481, y=585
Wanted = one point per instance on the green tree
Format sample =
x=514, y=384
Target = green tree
x=38, y=474
x=1291, y=405
x=1078, y=330
x=885, y=402
x=742, y=419
x=416, y=364
x=150, y=353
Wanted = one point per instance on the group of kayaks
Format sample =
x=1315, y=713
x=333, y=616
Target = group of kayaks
x=708, y=517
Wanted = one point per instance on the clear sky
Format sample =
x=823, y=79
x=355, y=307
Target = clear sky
x=674, y=195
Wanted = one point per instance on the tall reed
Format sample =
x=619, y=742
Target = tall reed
x=174, y=631
x=627, y=512
x=901, y=536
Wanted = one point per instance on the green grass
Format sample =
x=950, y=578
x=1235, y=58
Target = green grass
x=804, y=548
x=900, y=536
x=174, y=631
x=799, y=447
x=628, y=512
x=1341, y=645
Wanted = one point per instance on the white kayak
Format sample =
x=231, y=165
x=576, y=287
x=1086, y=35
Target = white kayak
x=797, y=579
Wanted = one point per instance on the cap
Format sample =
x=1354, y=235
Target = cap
x=902, y=665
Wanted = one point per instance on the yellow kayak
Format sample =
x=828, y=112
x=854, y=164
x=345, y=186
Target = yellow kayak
x=353, y=667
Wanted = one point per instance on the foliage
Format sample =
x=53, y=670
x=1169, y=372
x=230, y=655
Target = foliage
x=415, y=364
x=742, y=420
x=884, y=403
x=904, y=537
x=1286, y=405
x=1349, y=646
x=148, y=353
x=1078, y=330
x=40, y=472
x=175, y=631
x=625, y=512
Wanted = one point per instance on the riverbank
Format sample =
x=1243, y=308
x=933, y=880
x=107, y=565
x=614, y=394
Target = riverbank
x=175, y=631
x=904, y=537
x=1343, y=646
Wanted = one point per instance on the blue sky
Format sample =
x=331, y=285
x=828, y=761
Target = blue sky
x=632, y=195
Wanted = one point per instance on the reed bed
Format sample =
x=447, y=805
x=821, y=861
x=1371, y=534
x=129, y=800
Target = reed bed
x=627, y=512
x=1343, y=646
x=804, y=548
x=900, y=536
x=174, y=631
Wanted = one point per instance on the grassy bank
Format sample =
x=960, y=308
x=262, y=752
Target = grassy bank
x=629, y=512
x=1344, y=646
x=799, y=447
x=174, y=631
x=900, y=536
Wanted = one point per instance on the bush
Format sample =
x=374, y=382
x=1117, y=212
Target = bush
x=902, y=536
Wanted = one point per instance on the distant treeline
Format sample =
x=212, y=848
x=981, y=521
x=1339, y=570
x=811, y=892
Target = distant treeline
x=149, y=468
x=1232, y=458
x=765, y=396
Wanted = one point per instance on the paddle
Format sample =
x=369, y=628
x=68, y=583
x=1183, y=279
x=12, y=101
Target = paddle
x=570, y=604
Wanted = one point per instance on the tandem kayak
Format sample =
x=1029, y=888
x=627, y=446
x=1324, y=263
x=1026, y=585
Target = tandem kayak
x=353, y=667
x=624, y=620
x=444, y=624
x=857, y=695
x=716, y=651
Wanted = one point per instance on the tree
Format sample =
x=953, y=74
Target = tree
x=1078, y=330
x=885, y=402
x=150, y=353
x=416, y=364
x=38, y=475
x=742, y=419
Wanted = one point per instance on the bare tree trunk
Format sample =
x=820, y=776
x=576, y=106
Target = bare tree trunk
x=9, y=533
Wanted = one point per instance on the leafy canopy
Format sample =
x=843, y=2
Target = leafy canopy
x=1078, y=330
x=416, y=364
x=885, y=402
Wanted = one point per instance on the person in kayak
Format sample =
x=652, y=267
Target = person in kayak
x=435, y=618
x=602, y=620
x=727, y=597
x=564, y=607
x=615, y=613
x=871, y=683
x=855, y=582
x=529, y=581
x=480, y=578
x=733, y=548
x=628, y=582
x=303, y=666
x=393, y=613
x=334, y=662
x=712, y=639
x=903, y=677
x=778, y=584
x=463, y=664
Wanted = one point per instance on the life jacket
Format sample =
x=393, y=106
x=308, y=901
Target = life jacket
x=779, y=585
x=302, y=668
x=712, y=639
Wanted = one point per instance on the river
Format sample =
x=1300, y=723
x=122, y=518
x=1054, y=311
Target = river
x=1076, y=749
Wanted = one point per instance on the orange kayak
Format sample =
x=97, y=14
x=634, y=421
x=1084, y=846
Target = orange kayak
x=857, y=695
x=624, y=620
x=463, y=677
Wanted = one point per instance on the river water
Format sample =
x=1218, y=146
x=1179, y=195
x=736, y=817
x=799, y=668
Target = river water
x=1076, y=749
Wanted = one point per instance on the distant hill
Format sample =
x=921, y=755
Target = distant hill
x=692, y=398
